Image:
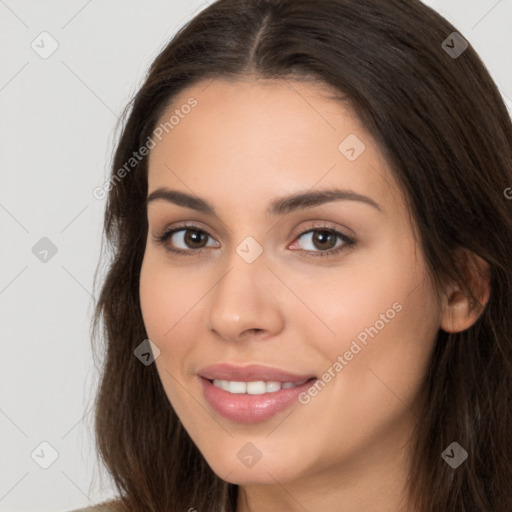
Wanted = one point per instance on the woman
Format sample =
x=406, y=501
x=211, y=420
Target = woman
x=308, y=305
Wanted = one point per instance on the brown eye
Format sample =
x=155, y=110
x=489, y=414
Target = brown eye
x=185, y=240
x=324, y=241
x=194, y=239
x=321, y=239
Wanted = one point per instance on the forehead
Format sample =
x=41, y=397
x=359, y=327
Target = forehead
x=258, y=137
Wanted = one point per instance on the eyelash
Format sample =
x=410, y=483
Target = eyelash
x=348, y=242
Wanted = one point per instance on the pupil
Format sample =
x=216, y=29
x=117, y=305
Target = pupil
x=322, y=237
x=192, y=237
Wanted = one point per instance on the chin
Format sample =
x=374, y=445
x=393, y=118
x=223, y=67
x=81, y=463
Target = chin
x=242, y=464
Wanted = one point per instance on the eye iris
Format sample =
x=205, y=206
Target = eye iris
x=193, y=237
x=322, y=237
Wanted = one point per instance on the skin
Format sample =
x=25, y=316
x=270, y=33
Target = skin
x=244, y=144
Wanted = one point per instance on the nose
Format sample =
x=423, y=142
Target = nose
x=246, y=301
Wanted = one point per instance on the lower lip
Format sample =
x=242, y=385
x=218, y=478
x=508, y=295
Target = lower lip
x=245, y=408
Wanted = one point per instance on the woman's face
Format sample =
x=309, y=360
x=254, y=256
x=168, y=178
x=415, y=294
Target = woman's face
x=265, y=280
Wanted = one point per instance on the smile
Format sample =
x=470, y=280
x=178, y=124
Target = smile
x=250, y=402
x=258, y=387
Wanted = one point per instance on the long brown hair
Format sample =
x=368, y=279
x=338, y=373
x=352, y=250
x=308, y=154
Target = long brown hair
x=443, y=127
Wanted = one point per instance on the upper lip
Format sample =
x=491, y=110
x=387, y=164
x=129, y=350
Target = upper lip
x=250, y=373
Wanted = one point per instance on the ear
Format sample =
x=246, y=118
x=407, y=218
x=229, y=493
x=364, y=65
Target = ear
x=459, y=313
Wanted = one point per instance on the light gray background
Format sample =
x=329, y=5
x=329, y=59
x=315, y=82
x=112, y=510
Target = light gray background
x=57, y=131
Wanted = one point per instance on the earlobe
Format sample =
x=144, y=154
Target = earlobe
x=459, y=312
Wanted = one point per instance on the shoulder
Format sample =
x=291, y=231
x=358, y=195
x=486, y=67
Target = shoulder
x=107, y=506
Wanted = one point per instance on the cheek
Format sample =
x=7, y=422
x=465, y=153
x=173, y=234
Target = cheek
x=369, y=294
x=384, y=322
x=167, y=298
x=155, y=300
x=401, y=351
x=385, y=359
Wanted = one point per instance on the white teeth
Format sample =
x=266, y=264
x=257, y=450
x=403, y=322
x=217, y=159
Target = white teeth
x=237, y=387
x=271, y=386
x=222, y=384
x=256, y=387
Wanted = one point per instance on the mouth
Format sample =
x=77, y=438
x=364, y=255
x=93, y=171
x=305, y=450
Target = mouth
x=252, y=393
x=249, y=402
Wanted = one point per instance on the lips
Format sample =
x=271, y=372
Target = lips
x=245, y=408
x=250, y=373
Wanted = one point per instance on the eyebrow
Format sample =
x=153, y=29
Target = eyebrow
x=280, y=206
